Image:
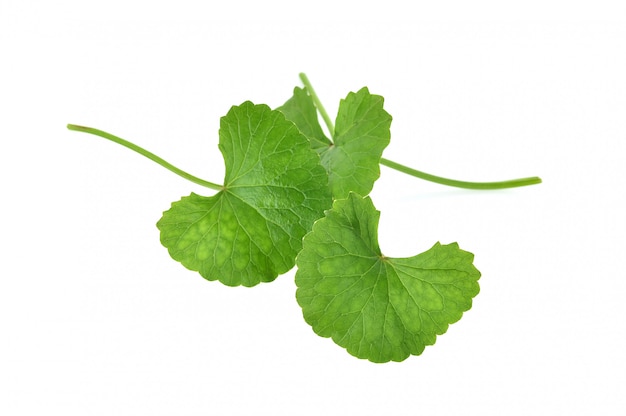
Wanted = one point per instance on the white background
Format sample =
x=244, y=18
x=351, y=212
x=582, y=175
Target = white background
x=96, y=319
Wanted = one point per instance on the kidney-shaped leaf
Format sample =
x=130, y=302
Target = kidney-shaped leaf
x=378, y=308
x=362, y=132
x=274, y=189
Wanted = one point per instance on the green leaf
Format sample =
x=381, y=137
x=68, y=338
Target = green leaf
x=361, y=133
x=378, y=308
x=302, y=112
x=274, y=189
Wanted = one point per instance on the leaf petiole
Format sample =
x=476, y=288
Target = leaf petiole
x=318, y=104
x=147, y=154
x=513, y=183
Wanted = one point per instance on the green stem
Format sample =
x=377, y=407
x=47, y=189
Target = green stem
x=513, y=183
x=147, y=154
x=318, y=104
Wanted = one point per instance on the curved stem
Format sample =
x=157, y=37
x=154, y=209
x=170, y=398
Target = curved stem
x=513, y=183
x=147, y=154
x=318, y=104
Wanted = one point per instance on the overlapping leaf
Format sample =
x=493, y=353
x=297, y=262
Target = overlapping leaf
x=302, y=112
x=361, y=134
x=274, y=189
x=378, y=308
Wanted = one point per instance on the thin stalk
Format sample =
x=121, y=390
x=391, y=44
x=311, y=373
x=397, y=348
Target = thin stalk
x=513, y=183
x=318, y=104
x=147, y=154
